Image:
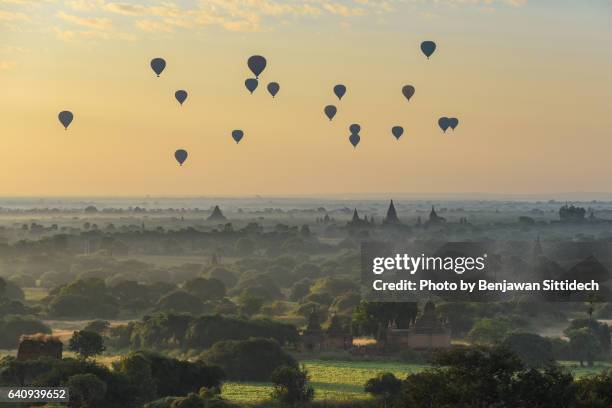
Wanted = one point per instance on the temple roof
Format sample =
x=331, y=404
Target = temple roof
x=216, y=215
x=391, y=217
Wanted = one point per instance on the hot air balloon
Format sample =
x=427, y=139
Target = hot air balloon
x=339, y=90
x=181, y=96
x=397, y=131
x=354, y=139
x=408, y=91
x=330, y=111
x=256, y=64
x=444, y=123
x=180, y=155
x=273, y=88
x=158, y=65
x=355, y=129
x=251, y=84
x=428, y=48
x=453, y=122
x=65, y=118
x=237, y=135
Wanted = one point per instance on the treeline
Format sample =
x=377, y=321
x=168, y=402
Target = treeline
x=165, y=331
x=136, y=238
x=476, y=377
x=136, y=379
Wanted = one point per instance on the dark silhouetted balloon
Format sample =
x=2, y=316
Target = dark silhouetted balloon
x=397, y=131
x=355, y=128
x=354, y=139
x=273, y=88
x=444, y=123
x=65, y=118
x=251, y=84
x=158, y=65
x=330, y=111
x=428, y=48
x=256, y=64
x=453, y=122
x=237, y=135
x=180, y=96
x=180, y=155
x=408, y=91
x=339, y=90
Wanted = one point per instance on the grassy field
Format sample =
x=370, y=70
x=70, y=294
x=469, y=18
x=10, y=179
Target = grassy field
x=332, y=380
x=338, y=380
x=578, y=371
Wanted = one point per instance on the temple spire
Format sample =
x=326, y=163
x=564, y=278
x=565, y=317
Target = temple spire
x=391, y=217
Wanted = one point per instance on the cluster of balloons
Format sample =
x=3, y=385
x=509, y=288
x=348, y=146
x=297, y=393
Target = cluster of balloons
x=257, y=64
x=408, y=91
x=331, y=110
x=158, y=65
x=354, y=138
x=428, y=48
x=446, y=123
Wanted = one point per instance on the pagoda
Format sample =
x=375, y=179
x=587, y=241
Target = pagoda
x=357, y=221
x=391, y=217
x=216, y=215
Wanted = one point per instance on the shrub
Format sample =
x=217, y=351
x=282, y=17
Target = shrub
x=291, y=385
x=249, y=360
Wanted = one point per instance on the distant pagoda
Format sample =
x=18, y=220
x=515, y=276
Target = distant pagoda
x=356, y=221
x=216, y=215
x=434, y=218
x=391, y=217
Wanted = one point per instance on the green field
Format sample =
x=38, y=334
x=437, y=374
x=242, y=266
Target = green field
x=332, y=380
x=342, y=380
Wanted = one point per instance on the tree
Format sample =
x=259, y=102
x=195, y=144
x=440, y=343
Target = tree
x=585, y=345
x=249, y=304
x=245, y=246
x=97, y=326
x=300, y=289
x=226, y=276
x=86, y=390
x=208, y=289
x=469, y=377
x=180, y=301
x=248, y=360
x=595, y=391
x=12, y=327
x=385, y=385
x=159, y=376
x=599, y=329
x=533, y=350
x=489, y=331
x=86, y=344
x=291, y=385
x=371, y=317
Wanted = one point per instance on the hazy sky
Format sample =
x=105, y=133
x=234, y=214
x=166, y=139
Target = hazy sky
x=529, y=80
